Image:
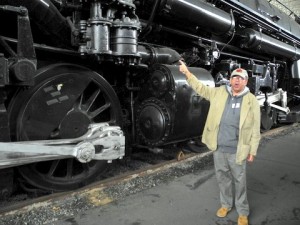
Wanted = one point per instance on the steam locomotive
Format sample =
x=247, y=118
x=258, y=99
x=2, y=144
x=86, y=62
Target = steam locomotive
x=83, y=82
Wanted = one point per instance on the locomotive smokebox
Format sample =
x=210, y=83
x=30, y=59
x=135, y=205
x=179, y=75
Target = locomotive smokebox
x=172, y=111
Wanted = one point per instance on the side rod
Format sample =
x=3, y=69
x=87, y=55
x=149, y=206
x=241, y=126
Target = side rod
x=109, y=140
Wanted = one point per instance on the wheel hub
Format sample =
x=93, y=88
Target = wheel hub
x=75, y=124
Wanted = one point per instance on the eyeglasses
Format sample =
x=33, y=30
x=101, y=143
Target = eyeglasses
x=237, y=78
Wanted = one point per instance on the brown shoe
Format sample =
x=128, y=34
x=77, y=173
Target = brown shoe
x=243, y=220
x=222, y=212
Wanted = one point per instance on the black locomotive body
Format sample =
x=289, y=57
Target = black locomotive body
x=79, y=78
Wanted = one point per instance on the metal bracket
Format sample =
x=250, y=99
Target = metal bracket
x=278, y=96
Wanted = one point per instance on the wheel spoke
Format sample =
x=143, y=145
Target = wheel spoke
x=69, y=168
x=53, y=167
x=99, y=110
x=78, y=104
x=90, y=101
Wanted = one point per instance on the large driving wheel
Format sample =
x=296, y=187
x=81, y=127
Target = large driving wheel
x=268, y=118
x=63, y=102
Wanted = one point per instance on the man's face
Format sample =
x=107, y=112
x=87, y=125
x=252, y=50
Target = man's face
x=238, y=84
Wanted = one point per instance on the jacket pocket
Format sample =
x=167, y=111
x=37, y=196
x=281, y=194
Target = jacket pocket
x=209, y=137
x=242, y=152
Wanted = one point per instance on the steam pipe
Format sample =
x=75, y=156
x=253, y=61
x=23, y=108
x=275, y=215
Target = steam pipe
x=261, y=42
x=151, y=55
x=196, y=39
x=201, y=14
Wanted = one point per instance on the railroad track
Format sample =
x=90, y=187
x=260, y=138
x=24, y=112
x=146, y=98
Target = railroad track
x=163, y=168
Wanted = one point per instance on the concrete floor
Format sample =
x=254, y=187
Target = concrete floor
x=273, y=193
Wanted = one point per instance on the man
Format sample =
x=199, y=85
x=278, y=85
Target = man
x=232, y=131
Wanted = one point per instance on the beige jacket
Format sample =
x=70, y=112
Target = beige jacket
x=249, y=132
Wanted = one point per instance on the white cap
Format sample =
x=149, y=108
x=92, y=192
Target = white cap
x=239, y=72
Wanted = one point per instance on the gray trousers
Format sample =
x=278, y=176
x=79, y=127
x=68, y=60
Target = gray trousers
x=231, y=177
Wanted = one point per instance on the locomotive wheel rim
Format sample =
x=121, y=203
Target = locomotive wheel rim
x=92, y=100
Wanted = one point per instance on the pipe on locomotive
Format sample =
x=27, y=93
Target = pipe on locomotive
x=151, y=55
x=200, y=13
x=197, y=12
x=261, y=42
x=220, y=22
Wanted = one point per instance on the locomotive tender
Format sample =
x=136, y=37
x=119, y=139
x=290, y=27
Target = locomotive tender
x=78, y=77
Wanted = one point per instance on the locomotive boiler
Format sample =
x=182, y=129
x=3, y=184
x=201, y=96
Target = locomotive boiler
x=83, y=82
